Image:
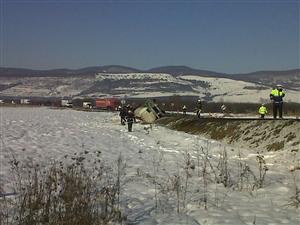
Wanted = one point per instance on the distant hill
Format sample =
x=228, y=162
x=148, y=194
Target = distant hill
x=184, y=70
x=271, y=73
x=288, y=78
x=106, y=69
x=115, y=80
x=20, y=72
x=87, y=71
x=173, y=70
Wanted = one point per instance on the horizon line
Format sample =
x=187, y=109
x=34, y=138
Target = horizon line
x=145, y=70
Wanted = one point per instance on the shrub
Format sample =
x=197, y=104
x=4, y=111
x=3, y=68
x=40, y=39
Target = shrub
x=66, y=195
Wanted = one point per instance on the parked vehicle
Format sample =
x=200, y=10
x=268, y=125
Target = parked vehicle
x=25, y=101
x=107, y=103
x=66, y=103
x=87, y=105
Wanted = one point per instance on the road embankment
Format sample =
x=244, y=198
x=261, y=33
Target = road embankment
x=268, y=135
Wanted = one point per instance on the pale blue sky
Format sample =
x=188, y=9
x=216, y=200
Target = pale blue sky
x=223, y=36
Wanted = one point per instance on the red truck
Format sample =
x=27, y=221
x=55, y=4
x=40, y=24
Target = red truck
x=107, y=103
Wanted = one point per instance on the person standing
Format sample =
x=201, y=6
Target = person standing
x=184, y=110
x=276, y=96
x=223, y=108
x=123, y=113
x=262, y=111
x=130, y=119
x=199, y=108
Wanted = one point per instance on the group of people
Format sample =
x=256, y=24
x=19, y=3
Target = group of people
x=198, y=109
x=127, y=116
x=276, y=97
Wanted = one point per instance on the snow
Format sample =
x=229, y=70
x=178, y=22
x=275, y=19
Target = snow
x=143, y=94
x=224, y=89
x=45, y=135
x=137, y=85
x=162, y=77
x=45, y=86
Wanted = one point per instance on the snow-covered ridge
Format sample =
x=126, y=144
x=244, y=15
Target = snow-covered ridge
x=225, y=89
x=136, y=76
x=143, y=85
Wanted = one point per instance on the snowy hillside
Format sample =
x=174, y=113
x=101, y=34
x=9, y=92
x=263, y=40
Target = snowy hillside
x=171, y=177
x=243, y=131
x=142, y=85
x=224, y=89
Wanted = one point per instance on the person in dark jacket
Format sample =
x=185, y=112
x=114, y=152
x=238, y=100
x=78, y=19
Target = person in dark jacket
x=130, y=119
x=123, y=113
x=276, y=96
x=184, y=110
x=199, y=108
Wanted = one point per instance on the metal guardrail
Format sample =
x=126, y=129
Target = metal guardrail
x=206, y=116
x=2, y=195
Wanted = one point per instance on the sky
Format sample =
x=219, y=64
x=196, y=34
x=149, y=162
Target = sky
x=234, y=36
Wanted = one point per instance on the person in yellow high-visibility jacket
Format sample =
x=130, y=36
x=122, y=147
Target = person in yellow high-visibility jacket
x=276, y=96
x=262, y=111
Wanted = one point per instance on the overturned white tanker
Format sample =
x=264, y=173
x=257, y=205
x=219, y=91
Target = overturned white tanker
x=149, y=112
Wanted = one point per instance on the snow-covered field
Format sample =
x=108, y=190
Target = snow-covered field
x=154, y=157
